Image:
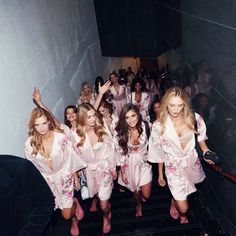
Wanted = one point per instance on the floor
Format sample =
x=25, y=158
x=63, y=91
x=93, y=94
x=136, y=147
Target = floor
x=156, y=219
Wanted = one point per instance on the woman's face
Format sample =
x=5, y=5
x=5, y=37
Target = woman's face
x=203, y=102
x=41, y=125
x=70, y=115
x=86, y=89
x=91, y=118
x=131, y=118
x=138, y=87
x=175, y=106
x=113, y=78
x=104, y=111
x=157, y=107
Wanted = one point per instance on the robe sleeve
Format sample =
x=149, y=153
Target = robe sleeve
x=74, y=162
x=156, y=153
x=201, y=128
x=120, y=159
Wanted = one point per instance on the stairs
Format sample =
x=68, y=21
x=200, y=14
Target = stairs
x=156, y=219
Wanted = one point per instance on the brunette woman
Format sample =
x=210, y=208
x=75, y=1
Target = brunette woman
x=131, y=144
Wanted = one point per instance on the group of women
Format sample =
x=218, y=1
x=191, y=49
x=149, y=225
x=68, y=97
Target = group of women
x=107, y=144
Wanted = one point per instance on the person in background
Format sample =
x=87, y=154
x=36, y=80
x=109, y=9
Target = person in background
x=54, y=155
x=131, y=141
x=98, y=82
x=172, y=142
x=86, y=94
x=96, y=149
x=26, y=201
x=140, y=98
x=154, y=111
x=117, y=93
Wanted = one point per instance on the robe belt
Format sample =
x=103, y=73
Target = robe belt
x=182, y=160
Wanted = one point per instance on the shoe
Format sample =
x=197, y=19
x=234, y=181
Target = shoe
x=173, y=211
x=74, y=230
x=79, y=212
x=107, y=228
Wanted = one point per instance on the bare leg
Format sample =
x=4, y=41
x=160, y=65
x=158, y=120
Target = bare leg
x=106, y=209
x=146, y=191
x=182, y=207
x=93, y=206
x=138, y=200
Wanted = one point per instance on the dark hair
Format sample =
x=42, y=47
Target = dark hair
x=122, y=127
x=98, y=80
x=107, y=105
x=138, y=80
x=152, y=113
x=74, y=108
x=196, y=105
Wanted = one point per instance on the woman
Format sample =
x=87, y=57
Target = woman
x=172, y=142
x=140, y=98
x=154, y=111
x=117, y=93
x=131, y=144
x=110, y=120
x=86, y=94
x=53, y=154
x=96, y=149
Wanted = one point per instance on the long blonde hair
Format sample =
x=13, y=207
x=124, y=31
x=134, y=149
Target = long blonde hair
x=188, y=115
x=99, y=129
x=36, y=138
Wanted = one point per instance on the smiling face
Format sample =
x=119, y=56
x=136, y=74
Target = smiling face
x=91, y=118
x=104, y=111
x=131, y=118
x=156, y=107
x=175, y=106
x=138, y=87
x=70, y=115
x=42, y=125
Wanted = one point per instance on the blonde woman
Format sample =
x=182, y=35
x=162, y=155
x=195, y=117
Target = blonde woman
x=172, y=142
x=96, y=149
x=86, y=94
x=52, y=152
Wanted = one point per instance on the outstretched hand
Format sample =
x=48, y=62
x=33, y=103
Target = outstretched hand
x=36, y=95
x=104, y=88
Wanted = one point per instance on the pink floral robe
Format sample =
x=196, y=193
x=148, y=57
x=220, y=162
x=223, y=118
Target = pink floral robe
x=65, y=162
x=111, y=129
x=135, y=163
x=101, y=165
x=182, y=166
x=143, y=105
x=118, y=99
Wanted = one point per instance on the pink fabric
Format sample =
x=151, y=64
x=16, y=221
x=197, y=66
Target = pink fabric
x=182, y=166
x=143, y=104
x=101, y=163
x=118, y=99
x=65, y=162
x=135, y=164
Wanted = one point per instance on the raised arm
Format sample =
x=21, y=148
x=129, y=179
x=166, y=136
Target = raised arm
x=37, y=99
x=102, y=90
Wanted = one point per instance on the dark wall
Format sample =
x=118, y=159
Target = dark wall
x=134, y=28
x=209, y=33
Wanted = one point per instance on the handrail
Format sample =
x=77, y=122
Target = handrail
x=228, y=175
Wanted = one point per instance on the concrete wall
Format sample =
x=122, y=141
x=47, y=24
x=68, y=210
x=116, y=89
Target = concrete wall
x=53, y=45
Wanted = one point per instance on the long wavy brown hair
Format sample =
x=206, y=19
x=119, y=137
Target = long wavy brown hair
x=188, y=115
x=99, y=129
x=36, y=138
x=122, y=127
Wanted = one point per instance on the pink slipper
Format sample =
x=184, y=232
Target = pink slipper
x=79, y=212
